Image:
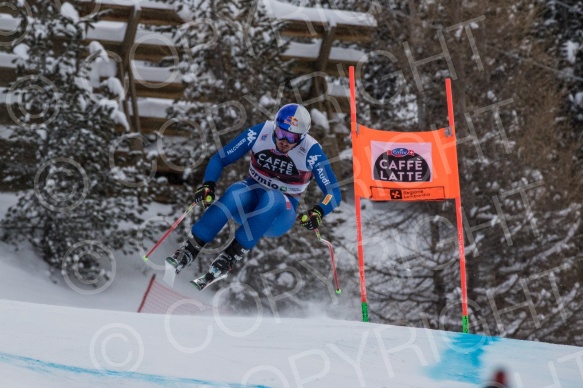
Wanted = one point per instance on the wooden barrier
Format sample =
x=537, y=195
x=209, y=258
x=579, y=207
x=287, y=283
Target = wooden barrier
x=123, y=33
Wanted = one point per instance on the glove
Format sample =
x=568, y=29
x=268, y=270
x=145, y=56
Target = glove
x=312, y=218
x=205, y=194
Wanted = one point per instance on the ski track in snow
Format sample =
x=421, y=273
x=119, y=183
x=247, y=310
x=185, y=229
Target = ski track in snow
x=71, y=372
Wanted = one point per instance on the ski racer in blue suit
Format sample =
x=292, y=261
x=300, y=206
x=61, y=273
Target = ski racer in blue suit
x=284, y=158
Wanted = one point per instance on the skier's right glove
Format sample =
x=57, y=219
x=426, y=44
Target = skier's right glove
x=205, y=194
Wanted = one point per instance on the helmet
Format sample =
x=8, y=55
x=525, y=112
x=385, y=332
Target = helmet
x=293, y=118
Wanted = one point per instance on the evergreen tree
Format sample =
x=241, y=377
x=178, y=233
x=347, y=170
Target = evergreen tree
x=529, y=200
x=520, y=206
x=562, y=22
x=73, y=214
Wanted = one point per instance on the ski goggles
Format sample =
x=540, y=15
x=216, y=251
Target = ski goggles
x=291, y=137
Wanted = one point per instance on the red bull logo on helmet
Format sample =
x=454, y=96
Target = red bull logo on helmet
x=291, y=120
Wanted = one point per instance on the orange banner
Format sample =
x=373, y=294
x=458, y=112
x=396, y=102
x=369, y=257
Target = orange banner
x=405, y=166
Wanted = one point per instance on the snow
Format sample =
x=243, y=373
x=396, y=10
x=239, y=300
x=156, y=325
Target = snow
x=320, y=119
x=570, y=50
x=131, y=3
x=310, y=51
x=5, y=132
x=7, y=61
x=117, y=115
x=163, y=75
x=154, y=107
x=107, y=31
x=95, y=348
x=8, y=23
x=274, y=8
x=21, y=50
x=68, y=11
x=96, y=47
x=114, y=86
x=337, y=90
x=53, y=336
x=285, y=11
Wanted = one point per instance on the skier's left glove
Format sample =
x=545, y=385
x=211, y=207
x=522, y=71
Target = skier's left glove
x=312, y=218
x=205, y=195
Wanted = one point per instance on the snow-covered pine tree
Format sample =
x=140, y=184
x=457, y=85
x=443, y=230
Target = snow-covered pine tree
x=73, y=214
x=520, y=204
x=525, y=200
x=563, y=23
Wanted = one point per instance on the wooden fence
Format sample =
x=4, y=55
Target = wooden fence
x=123, y=32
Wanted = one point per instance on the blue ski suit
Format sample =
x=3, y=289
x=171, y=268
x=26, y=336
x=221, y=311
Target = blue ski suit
x=265, y=203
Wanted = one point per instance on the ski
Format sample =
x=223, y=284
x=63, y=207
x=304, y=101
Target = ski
x=173, y=268
x=177, y=265
x=206, y=279
x=169, y=274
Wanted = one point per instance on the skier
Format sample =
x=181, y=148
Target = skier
x=284, y=158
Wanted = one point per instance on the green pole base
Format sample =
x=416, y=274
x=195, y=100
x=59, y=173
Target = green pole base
x=145, y=258
x=364, y=312
x=338, y=291
x=465, y=324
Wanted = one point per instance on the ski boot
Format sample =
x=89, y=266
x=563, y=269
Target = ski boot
x=222, y=265
x=186, y=253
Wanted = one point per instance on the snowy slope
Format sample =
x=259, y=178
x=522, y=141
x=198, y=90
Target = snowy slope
x=55, y=346
x=25, y=277
x=52, y=336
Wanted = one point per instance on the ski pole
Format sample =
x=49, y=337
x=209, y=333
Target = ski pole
x=176, y=223
x=331, y=249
